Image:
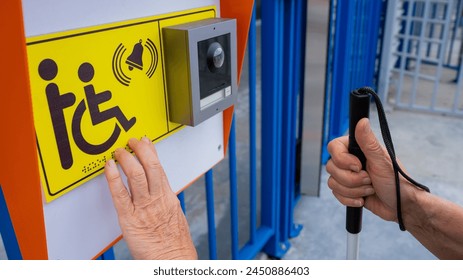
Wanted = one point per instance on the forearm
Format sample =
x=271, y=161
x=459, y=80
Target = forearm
x=436, y=223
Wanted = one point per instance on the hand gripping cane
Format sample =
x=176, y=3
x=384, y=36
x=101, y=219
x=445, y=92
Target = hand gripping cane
x=359, y=108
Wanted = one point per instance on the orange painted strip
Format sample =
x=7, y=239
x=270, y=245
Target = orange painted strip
x=108, y=247
x=19, y=175
x=242, y=11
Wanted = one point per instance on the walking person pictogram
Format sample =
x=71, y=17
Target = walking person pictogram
x=57, y=102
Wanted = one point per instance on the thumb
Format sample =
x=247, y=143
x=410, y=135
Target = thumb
x=367, y=141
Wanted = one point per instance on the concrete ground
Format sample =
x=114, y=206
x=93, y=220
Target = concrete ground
x=429, y=146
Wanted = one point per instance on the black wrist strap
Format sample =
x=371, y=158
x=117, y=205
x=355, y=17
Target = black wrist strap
x=390, y=150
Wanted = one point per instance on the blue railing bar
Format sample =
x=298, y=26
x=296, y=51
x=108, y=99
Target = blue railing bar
x=371, y=37
x=354, y=38
x=372, y=31
x=233, y=192
x=181, y=198
x=252, y=127
x=294, y=117
x=7, y=231
x=362, y=63
x=298, y=101
x=357, y=58
x=278, y=99
x=382, y=13
x=347, y=16
x=372, y=50
x=250, y=250
x=271, y=117
x=287, y=112
x=336, y=76
x=108, y=255
x=369, y=52
x=345, y=12
x=210, y=215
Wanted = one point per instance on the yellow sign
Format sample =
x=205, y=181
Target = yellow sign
x=93, y=89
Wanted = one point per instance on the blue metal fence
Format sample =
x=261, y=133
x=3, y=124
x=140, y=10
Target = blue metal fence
x=283, y=35
x=353, y=58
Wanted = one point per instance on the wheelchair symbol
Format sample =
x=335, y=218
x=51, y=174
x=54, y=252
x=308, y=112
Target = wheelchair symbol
x=57, y=102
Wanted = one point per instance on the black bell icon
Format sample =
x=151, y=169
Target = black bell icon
x=135, y=58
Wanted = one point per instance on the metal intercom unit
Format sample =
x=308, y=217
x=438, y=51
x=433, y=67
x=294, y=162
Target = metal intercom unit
x=200, y=61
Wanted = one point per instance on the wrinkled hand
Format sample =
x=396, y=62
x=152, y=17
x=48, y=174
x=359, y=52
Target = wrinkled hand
x=150, y=216
x=373, y=188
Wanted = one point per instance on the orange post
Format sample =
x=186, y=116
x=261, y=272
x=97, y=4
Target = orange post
x=242, y=11
x=19, y=174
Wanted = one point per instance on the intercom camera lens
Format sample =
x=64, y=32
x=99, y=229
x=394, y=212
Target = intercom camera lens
x=215, y=56
x=219, y=57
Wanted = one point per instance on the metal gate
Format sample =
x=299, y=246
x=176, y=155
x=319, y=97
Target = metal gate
x=354, y=34
x=262, y=189
x=422, y=56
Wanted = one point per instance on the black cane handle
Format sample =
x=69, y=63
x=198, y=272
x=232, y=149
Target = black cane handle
x=359, y=109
